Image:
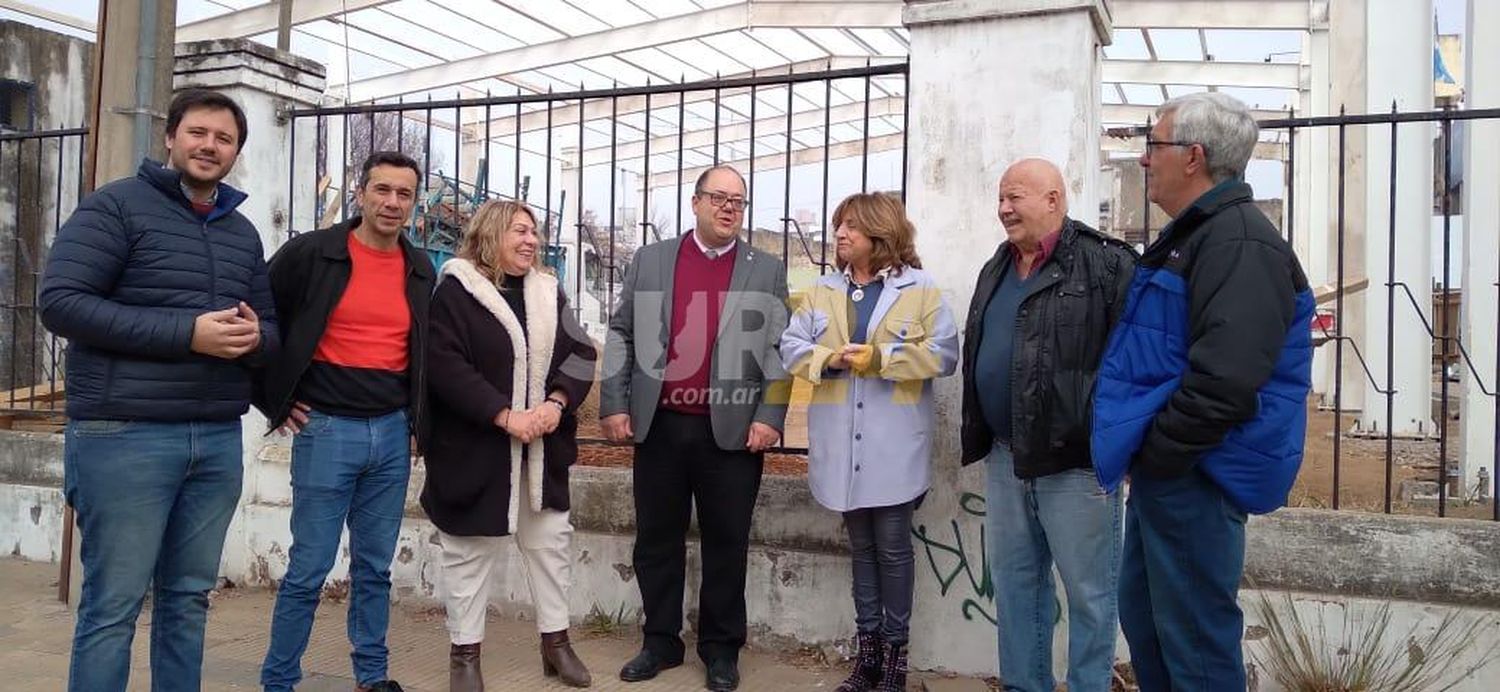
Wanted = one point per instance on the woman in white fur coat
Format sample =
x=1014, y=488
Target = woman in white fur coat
x=507, y=367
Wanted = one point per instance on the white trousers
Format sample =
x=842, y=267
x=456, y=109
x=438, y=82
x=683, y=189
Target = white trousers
x=471, y=567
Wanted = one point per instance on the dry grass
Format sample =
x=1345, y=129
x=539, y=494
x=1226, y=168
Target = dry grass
x=1300, y=655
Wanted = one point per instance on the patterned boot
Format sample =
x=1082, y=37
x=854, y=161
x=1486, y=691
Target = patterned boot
x=866, y=665
x=893, y=669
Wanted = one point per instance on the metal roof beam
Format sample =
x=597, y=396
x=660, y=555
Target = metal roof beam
x=62, y=18
x=1274, y=75
x=740, y=132
x=1213, y=14
x=742, y=15
x=1137, y=114
x=258, y=19
x=597, y=109
x=800, y=157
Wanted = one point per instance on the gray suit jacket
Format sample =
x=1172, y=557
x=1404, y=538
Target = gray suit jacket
x=746, y=380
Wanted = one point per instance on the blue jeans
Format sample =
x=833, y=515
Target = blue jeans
x=343, y=469
x=153, y=501
x=885, y=569
x=1066, y=519
x=1179, y=585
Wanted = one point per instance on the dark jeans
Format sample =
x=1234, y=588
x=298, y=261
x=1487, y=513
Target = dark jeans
x=153, y=502
x=679, y=466
x=885, y=569
x=1179, y=582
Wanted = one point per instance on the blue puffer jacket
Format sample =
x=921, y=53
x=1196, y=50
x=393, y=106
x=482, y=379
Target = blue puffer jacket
x=1211, y=362
x=127, y=275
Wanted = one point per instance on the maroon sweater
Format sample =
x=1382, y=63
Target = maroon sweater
x=699, y=286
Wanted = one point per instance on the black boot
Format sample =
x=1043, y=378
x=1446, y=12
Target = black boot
x=866, y=665
x=893, y=669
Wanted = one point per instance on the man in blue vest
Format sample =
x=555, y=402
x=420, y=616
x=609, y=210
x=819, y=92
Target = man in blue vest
x=1201, y=397
x=160, y=287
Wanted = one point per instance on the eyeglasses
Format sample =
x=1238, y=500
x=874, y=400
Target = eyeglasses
x=719, y=199
x=1152, y=143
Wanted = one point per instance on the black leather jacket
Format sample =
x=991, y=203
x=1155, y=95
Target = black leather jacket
x=1062, y=326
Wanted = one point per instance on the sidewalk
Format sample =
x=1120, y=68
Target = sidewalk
x=36, y=631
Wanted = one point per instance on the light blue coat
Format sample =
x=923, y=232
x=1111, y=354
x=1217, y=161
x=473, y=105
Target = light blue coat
x=870, y=436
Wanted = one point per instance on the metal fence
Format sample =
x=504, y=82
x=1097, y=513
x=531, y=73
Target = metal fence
x=40, y=180
x=612, y=169
x=1430, y=458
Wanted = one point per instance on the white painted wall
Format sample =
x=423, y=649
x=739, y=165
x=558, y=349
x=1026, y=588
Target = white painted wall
x=988, y=87
x=1399, y=66
x=1481, y=260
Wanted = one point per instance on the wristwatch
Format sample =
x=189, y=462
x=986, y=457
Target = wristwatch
x=560, y=407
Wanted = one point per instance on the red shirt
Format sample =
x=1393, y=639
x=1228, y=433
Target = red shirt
x=699, y=286
x=371, y=323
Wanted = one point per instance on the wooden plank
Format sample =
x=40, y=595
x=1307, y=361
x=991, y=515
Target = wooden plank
x=1328, y=292
x=41, y=392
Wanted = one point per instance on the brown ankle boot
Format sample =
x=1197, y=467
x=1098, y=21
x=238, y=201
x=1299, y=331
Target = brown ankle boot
x=463, y=669
x=559, y=660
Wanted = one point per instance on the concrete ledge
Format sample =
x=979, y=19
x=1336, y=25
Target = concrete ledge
x=28, y=458
x=1376, y=555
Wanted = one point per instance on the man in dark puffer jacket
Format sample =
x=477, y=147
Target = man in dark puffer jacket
x=160, y=287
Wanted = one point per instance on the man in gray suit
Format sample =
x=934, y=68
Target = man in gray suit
x=692, y=378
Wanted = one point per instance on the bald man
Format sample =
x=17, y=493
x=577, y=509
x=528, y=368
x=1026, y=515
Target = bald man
x=1042, y=310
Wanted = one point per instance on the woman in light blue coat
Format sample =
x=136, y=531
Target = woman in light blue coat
x=870, y=339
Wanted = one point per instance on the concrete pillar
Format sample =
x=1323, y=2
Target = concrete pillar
x=1481, y=244
x=265, y=83
x=1312, y=176
x=1347, y=77
x=962, y=138
x=1399, y=65
x=125, y=99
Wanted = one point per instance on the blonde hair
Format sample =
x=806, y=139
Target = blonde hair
x=481, y=240
x=881, y=217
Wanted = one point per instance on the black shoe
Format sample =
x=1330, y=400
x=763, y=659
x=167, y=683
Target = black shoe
x=723, y=675
x=384, y=686
x=645, y=666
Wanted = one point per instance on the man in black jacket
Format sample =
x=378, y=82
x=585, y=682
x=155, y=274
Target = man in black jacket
x=353, y=299
x=1037, y=325
x=160, y=287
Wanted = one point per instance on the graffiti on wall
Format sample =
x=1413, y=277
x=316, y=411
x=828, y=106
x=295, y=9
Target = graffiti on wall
x=961, y=565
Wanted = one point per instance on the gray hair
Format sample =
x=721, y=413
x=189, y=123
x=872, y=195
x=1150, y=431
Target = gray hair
x=1220, y=123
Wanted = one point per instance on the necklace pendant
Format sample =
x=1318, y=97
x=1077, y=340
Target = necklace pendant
x=858, y=294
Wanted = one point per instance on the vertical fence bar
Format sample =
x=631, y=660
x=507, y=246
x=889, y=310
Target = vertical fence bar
x=681, y=112
x=458, y=158
x=554, y=233
x=864, y=152
x=1291, y=185
x=15, y=291
x=291, y=179
x=786, y=201
x=578, y=225
x=344, y=196
x=488, y=167
x=827, y=134
x=1338, y=319
x=1146, y=189
x=750, y=193
x=1443, y=332
x=36, y=275
x=371, y=138
x=427, y=165
x=488, y=113
x=401, y=126
x=646, y=222
x=717, y=78
x=56, y=226
x=1390, y=325
x=905, y=128
x=614, y=122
